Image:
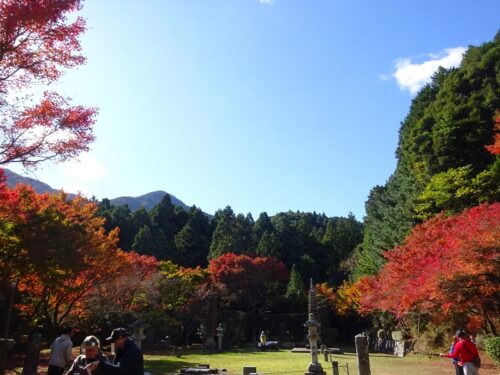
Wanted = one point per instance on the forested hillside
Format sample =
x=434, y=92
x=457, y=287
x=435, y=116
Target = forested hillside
x=442, y=159
x=429, y=255
x=317, y=245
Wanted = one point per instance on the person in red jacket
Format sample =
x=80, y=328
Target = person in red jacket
x=464, y=351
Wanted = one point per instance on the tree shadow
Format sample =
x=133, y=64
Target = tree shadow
x=166, y=366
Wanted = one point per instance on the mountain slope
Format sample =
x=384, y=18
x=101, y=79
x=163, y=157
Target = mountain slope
x=40, y=187
x=148, y=201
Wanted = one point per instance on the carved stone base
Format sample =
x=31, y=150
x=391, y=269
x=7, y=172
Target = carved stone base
x=315, y=369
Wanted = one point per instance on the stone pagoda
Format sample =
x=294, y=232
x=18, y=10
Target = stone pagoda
x=313, y=327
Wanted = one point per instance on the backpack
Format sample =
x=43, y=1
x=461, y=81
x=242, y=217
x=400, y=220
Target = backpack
x=476, y=361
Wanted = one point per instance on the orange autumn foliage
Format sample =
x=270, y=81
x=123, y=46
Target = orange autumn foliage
x=495, y=147
x=57, y=250
x=347, y=298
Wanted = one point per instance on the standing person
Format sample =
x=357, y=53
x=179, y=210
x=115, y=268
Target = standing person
x=60, y=352
x=464, y=351
x=91, y=352
x=459, y=370
x=128, y=360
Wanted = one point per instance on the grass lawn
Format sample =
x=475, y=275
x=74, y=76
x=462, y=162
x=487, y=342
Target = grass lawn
x=285, y=362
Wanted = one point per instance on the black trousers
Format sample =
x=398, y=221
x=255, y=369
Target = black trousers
x=459, y=370
x=55, y=370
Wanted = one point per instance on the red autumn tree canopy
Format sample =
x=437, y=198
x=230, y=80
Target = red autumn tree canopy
x=242, y=271
x=124, y=292
x=248, y=281
x=448, y=268
x=36, y=45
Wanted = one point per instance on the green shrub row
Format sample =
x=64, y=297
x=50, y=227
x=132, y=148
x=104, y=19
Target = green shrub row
x=492, y=347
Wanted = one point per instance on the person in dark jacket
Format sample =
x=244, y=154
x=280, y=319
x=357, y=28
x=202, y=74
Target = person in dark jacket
x=91, y=352
x=128, y=360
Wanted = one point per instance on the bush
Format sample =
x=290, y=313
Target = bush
x=492, y=346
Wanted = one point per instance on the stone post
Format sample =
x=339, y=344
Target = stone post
x=335, y=367
x=361, y=343
x=32, y=354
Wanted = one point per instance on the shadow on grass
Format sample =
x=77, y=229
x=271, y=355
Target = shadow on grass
x=165, y=366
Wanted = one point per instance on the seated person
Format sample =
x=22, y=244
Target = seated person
x=91, y=352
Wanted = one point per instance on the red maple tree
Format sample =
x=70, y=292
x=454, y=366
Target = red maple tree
x=37, y=43
x=248, y=281
x=447, y=268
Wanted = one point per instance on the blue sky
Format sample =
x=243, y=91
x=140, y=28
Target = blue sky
x=264, y=105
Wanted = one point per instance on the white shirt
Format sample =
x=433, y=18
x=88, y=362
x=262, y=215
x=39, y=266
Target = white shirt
x=60, y=352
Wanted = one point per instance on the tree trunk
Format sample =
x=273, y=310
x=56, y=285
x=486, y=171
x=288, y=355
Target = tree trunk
x=32, y=354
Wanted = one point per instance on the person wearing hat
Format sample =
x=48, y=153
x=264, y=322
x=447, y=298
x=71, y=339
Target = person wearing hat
x=128, y=360
x=91, y=352
x=465, y=352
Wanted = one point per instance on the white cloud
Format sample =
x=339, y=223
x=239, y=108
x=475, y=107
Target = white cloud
x=86, y=168
x=268, y=2
x=412, y=76
x=77, y=189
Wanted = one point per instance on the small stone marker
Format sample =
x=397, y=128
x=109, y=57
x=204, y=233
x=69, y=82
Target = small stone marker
x=247, y=370
x=200, y=369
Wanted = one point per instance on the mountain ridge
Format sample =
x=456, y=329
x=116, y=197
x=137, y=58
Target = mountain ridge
x=146, y=201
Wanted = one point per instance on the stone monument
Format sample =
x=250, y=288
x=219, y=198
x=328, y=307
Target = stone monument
x=220, y=335
x=210, y=323
x=313, y=327
x=263, y=339
x=137, y=335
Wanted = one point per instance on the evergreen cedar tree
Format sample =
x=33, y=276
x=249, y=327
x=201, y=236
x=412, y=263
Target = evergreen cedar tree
x=447, y=268
x=36, y=45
